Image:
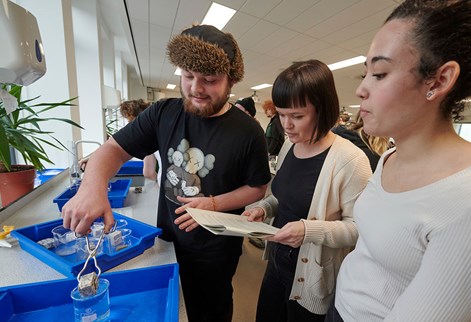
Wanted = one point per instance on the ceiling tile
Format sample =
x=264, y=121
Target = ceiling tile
x=271, y=34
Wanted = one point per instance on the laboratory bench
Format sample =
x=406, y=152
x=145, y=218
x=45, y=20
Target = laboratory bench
x=20, y=267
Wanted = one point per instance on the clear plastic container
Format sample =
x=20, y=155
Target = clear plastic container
x=118, y=240
x=92, y=308
x=83, y=251
x=65, y=242
x=121, y=223
x=97, y=229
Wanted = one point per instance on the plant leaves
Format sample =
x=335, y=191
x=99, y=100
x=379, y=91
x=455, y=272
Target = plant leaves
x=21, y=129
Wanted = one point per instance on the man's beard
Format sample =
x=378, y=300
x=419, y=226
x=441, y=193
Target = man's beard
x=210, y=109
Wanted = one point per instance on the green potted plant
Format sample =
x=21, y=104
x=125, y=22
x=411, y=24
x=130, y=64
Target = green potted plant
x=21, y=130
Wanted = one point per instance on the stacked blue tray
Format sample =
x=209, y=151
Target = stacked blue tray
x=134, y=170
x=118, y=190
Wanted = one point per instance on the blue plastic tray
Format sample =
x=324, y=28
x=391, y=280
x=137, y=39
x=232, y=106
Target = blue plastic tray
x=116, y=195
x=132, y=168
x=145, y=294
x=142, y=237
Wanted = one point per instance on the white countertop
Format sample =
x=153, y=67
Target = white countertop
x=20, y=267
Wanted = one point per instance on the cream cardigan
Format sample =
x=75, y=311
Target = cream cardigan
x=330, y=230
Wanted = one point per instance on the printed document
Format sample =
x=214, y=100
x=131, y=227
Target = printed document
x=220, y=223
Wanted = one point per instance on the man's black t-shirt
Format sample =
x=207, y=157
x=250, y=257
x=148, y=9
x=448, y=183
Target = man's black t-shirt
x=200, y=157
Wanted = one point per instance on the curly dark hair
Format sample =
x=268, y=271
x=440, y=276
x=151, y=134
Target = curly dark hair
x=441, y=32
x=132, y=108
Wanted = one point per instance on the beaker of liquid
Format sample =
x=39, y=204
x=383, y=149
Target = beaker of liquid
x=92, y=308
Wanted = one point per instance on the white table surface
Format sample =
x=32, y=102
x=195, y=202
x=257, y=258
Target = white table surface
x=19, y=267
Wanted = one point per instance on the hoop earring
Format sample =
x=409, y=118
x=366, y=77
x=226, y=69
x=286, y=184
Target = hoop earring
x=429, y=94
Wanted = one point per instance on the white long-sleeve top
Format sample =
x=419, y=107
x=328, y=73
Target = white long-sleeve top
x=412, y=261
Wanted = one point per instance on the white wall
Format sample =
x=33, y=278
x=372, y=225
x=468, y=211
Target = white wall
x=80, y=59
x=90, y=71
x=60, y=82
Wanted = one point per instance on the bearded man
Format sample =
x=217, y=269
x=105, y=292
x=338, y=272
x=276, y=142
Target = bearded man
x=214, y=157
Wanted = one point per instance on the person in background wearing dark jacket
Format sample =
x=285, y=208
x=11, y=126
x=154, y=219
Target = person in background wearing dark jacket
x=372, y=146
x=274, y=133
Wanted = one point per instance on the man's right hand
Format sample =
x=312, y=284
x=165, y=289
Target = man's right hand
x=91, y=200
x=85, y=207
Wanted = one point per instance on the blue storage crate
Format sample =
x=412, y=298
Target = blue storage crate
x=132, y=168
x=144, y=294
x=142, y=237
x=116, y=194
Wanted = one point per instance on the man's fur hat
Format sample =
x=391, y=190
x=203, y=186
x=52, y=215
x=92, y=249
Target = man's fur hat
x=207, y=50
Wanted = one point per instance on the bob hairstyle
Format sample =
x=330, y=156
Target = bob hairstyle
x=309, y=81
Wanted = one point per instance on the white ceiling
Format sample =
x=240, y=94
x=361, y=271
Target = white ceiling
x=271, y=35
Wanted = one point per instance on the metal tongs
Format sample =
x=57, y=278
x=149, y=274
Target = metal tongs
x=88, y=283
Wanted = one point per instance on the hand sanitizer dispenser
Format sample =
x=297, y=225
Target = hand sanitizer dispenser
x=22, y=60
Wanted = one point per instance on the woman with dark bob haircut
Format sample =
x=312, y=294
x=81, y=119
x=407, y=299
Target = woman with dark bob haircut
x=319, y=176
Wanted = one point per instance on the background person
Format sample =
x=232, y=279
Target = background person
x=372, y=146
x=319, y=176
x=213, y=157
x=151, y=163
x=130, y=110
x=274, y=133
x=247, y=105
x=344, y=120
x=412, y=260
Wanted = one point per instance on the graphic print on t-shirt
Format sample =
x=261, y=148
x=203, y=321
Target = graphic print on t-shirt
x=188, y=166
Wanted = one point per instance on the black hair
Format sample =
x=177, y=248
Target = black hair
x=441, y=32
x=309, y=81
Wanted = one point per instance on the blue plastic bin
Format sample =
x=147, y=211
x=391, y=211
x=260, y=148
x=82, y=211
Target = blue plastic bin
x=142, y=237
x=132, y=168
x=116, y=195
x=145, y=294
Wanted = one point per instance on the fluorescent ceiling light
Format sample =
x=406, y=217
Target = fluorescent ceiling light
x=231, y=95
x=347, y=62
x=218, y=15
x=178, y=71
x=261, y=86
x=171, y=86
x=354, y=106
